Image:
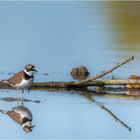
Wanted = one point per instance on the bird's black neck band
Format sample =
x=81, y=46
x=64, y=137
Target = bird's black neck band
x=25, y=119
x=26, y=76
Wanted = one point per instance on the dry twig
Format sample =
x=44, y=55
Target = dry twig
x=105, y=72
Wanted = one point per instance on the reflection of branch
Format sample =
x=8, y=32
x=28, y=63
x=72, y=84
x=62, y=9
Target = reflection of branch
x=89, y=97
x=105, y=72
x=112, y=115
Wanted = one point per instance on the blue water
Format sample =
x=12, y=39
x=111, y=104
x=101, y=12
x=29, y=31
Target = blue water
x=55, y=37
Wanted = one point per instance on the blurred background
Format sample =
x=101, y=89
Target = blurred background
x=56, y=36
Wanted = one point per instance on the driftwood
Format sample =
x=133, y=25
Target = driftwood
x=105, y=72
x=91, y=81
x=114, y=82
x=47, y=85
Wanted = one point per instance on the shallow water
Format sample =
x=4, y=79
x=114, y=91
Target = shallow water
x=56, y=36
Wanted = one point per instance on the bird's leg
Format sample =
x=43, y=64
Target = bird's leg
x=21, y=98
x=29, y=89
x=22, y=103
x=20, y=95
x=22, y=91
x=18, y=98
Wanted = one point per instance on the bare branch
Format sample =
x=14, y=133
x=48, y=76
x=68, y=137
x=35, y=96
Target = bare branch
x=47, y=85
x=113, y=82
x=105, y=72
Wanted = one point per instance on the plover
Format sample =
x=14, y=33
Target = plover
x=23, y=79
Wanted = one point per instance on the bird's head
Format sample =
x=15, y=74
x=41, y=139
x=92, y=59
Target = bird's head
x=30, y=69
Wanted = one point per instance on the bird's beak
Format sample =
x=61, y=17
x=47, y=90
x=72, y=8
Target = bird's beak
x=33, y=126
x=35, y=70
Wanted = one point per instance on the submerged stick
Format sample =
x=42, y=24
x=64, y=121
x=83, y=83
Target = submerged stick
x=105, y=72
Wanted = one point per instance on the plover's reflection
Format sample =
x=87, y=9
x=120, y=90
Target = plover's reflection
x=22, y=115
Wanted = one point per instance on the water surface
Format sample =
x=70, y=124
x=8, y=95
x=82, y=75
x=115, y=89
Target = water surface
x=56, y=36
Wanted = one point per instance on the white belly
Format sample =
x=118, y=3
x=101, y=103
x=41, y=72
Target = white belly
x=23, y=112
x=24, y=84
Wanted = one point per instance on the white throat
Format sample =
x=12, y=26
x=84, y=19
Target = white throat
x=28, y=123
x=30, y=73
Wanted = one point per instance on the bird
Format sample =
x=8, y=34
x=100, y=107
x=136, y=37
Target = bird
x=21, y=115
x=22, y=79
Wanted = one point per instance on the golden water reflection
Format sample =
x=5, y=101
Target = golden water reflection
x=126, y=23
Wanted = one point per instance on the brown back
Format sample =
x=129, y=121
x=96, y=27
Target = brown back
x=16, y=78
x=15, y=116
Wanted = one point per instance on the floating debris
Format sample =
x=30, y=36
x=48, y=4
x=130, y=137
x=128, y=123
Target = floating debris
x=45, y=74
x=79, y=73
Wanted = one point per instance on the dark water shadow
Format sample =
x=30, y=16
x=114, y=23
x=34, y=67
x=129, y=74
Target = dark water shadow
x=114, y=93
x=12, y=99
